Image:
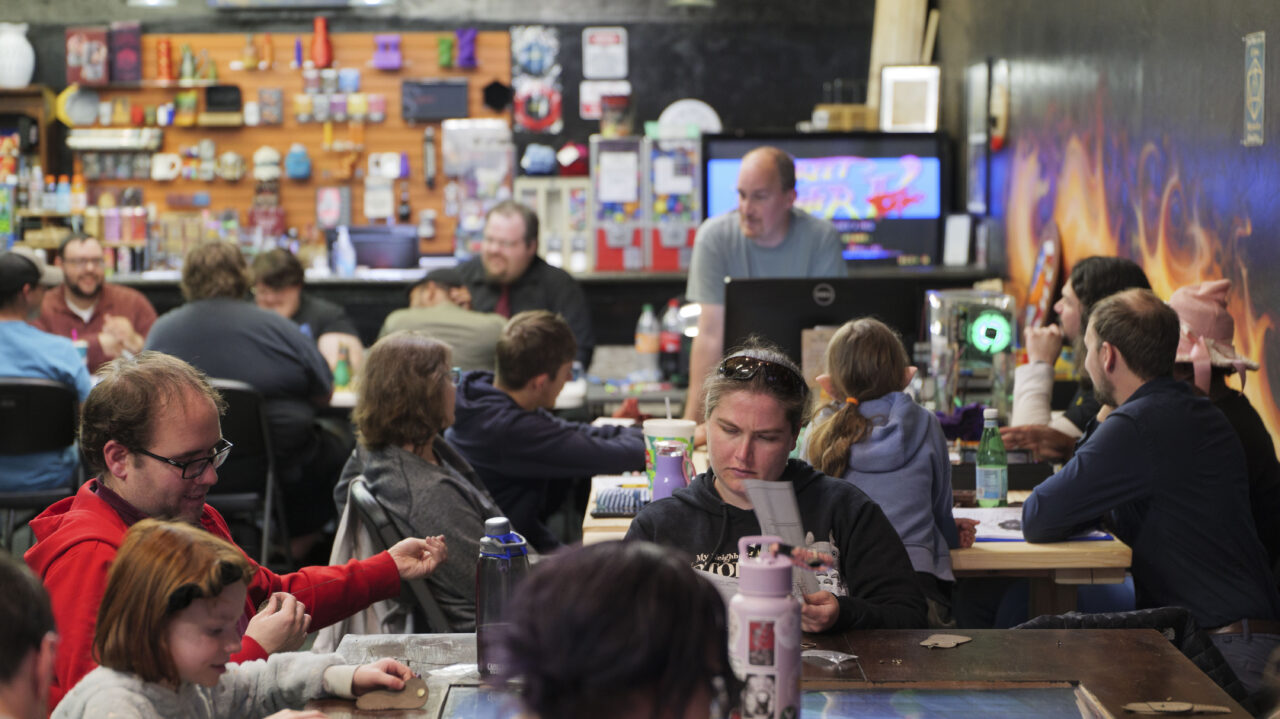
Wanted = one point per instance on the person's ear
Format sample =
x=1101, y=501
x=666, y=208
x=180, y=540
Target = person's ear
x=45, y=663
x=824, y=381
x=909, y=375
x=116, y=457
x=1109, y=355
x=539, y=382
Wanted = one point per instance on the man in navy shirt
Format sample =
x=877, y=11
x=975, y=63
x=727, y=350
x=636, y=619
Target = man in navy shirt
x=1167, y=473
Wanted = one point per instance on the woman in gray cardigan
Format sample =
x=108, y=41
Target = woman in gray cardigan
x=404, y=401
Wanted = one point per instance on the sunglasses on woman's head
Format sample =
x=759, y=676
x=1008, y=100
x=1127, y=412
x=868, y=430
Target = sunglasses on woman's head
x=743, y=368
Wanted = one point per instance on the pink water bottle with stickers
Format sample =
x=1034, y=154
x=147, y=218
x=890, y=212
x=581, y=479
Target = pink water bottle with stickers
x=764, y=632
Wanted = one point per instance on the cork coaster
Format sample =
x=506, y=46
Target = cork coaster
x=413, y=696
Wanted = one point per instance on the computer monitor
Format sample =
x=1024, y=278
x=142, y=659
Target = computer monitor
x=778, y=309
x=885, y=192
x=380, y=246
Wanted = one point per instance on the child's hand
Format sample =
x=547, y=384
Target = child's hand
x=968, y=531
x=416, y=558
x=382, y=674
x=280, y=625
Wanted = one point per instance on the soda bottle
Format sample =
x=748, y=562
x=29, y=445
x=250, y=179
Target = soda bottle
x=342, y=370
x=993, y=466
x=669, y=343
x=647, y=344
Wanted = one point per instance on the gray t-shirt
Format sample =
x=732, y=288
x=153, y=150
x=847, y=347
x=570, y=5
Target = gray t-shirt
x=811, y=249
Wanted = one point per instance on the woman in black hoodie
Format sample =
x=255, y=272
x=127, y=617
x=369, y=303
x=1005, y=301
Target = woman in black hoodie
x=756, y=403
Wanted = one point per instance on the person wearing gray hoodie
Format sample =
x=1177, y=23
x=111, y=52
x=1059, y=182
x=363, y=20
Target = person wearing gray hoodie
x=876, y=437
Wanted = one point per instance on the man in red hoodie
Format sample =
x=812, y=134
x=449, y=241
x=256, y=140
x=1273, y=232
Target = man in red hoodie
x=151, y=434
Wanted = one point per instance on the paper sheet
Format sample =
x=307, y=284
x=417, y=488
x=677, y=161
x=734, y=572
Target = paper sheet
x=778, y=514
x=617, y=180
x=1004, y=524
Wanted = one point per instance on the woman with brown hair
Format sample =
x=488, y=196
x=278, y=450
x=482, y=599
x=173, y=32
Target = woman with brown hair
x=876, y=437
x=756, y=402
x=404, y=401
x=168, y=625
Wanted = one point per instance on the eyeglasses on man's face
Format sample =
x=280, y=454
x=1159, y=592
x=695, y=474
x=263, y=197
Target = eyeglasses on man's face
x=193, y=468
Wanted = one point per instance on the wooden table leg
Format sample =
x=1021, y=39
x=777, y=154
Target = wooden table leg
x=1050, y=597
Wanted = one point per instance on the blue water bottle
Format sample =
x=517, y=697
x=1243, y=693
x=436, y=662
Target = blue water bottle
x=504, y=561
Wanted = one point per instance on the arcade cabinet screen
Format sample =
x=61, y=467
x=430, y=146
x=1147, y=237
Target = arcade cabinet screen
x=884, y=192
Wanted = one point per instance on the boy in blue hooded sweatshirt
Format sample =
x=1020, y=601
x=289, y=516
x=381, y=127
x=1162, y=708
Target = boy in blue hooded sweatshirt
x=875, y=436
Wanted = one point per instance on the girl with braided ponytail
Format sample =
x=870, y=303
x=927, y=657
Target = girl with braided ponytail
x=874, y=435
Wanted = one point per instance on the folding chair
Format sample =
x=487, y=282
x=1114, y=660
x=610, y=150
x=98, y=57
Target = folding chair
x=386, y=533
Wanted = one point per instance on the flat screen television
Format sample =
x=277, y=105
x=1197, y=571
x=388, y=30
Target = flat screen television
x=887, y=193
x=380, y=246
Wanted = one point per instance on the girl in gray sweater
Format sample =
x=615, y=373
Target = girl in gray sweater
x=875, y=436
x=168, y=624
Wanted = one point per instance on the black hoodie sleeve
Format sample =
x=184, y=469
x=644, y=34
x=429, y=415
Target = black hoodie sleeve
x=883, y=592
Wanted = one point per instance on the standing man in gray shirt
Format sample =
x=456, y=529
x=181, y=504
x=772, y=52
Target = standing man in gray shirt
x=765, y=237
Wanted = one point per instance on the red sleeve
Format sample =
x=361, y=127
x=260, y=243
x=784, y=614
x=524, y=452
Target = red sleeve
x=76, y=582
x=334, y=593
x=249, y=651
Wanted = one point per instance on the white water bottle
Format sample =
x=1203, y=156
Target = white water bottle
x=344, y=254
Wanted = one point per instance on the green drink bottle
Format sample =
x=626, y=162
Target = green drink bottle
x=993, y=466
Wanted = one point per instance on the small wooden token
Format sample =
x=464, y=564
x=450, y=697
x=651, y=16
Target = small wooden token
x=944, y=641
x=413, y=696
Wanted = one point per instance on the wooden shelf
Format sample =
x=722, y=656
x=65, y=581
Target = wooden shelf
x=46, y=213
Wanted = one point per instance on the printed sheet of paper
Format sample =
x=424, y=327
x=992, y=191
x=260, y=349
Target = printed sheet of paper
x=778, y=513
x=618, y=180
x=1004, y=524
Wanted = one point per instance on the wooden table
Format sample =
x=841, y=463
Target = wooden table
x=1054, y=569
x=1115, y=666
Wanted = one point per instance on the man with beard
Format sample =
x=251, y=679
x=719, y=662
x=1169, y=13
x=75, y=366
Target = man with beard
x=765, y=237
x=509, y=278
x=1167, y=474
x=113, y=318
x=28, y=352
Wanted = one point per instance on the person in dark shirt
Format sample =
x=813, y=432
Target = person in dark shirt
x=509, y=278
x=526, y=455
x=1167, y=473
x=278, y=280
x=1206, y=357
x=228, y=338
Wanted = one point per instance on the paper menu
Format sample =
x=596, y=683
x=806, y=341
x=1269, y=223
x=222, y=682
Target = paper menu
x=778, y=514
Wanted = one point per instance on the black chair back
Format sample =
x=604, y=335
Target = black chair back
x=385, y=532
x=247, y=480
x=37, y=415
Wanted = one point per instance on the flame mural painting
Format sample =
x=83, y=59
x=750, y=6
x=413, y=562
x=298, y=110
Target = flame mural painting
x=1107, y=196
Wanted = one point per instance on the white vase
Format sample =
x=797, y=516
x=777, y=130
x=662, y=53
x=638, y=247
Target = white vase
x=17, y=57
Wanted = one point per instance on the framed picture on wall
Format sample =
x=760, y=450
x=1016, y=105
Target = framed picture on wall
x=909, y=98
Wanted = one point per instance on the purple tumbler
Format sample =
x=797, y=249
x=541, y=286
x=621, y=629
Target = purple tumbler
x=668, y=468
x=764, y=633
